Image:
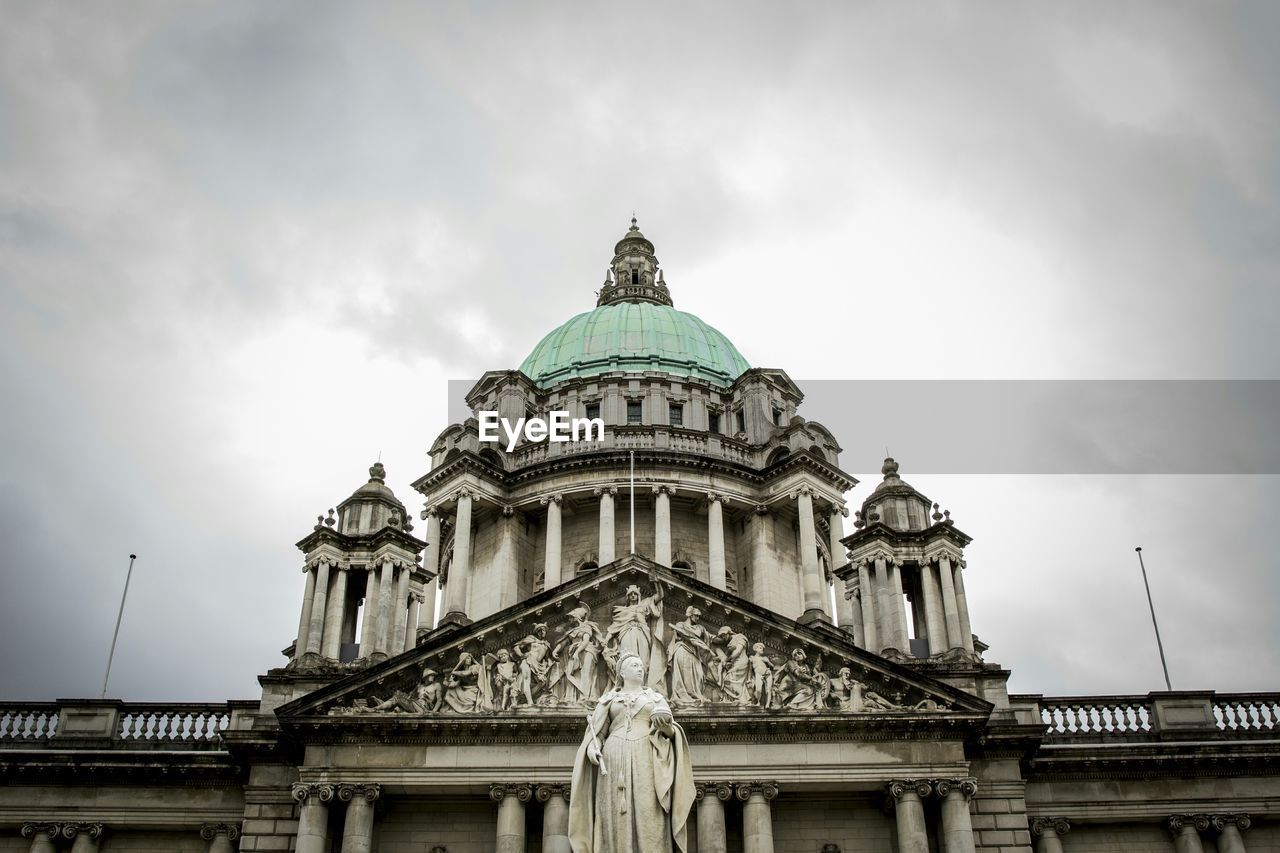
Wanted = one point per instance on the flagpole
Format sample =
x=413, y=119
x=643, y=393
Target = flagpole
x=1168, y=684
x=633, y=502
x=119, y=616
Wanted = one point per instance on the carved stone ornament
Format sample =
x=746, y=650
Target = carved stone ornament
x=1221, y=821
x=71, y=830
x=369, y=791
x=722, y=791
x=967, y=787
x=302, y=791
x=899, y=788
x=209, y=830
x=543, y=793
x=31, y=830
x=1197, y=822
x=1057, y=825
x=500, y=791
x=698, y=653
x=744, y=790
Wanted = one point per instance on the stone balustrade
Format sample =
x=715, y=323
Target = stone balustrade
x=1150, y=716
x=640, y=438
x=110, y=723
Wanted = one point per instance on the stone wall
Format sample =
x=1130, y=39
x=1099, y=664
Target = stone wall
x=463, y=825
x=802, y=824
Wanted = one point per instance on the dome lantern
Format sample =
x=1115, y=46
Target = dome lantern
x=635, y=276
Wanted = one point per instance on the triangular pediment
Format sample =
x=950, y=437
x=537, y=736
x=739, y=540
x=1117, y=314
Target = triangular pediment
x=540, y=665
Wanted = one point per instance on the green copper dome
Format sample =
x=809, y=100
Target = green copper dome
x=633, y=337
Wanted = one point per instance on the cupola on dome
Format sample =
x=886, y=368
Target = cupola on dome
x=634, y=328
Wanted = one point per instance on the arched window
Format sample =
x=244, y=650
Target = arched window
x=778, y=455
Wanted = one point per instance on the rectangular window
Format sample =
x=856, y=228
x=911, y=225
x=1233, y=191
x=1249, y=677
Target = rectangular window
x=742, y=421
x=675, y=414
x=713, y=422
x=777, y=417
x=593, y=411
x=634, y=412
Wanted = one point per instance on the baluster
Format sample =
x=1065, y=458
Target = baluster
x=1108, y=724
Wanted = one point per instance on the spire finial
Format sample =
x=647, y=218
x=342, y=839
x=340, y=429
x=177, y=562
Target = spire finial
x=635, y=226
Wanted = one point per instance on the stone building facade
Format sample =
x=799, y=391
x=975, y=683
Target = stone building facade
x=830, y=681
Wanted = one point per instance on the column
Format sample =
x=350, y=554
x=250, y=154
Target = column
x=551, y=565
x=715, y=540
x=510, y=800
x=935, y=624
x=313, y=817
x=411, y=621
x=460, y=570
x=886, y=627
x=335, y=614
x=608, y=538
x=431, y=556
x=304, y=623
x=41, y=835
x=357, y=826
x=949, y=609
x=1048, y=832
x=867, y=599
x=427, y=612
x=400, y=609
x=711, y=797
x=962, y=607
x=845, y=607
x=1186, y=829
x=318, y=600
x=369, y=622
x=382, y=630
x=757, y=822
x=849, y=612
x=662, y=525
x=555, y=818
x=811, y=577
x=899, y=608
x=1229, y=827
x=908, y=809
x=221, y=836
x=87, y=836
x=957, y=828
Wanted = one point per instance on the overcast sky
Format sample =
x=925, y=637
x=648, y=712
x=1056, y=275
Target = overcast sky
x=243, y=247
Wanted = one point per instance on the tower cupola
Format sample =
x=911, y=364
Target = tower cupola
x=633, y=275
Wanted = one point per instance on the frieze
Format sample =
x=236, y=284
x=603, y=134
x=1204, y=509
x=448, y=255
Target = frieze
x=699, y=653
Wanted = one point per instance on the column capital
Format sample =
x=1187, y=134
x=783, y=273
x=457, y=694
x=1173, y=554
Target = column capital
x=209, y=830
x=543, y=793
x=761, y=509
x=714, y=497
x=93, y=830
x=967, y=786
x=1179, y=822
x=303, y=791
x=428, y=512
x=1057, y=825
x=1222, y=821
x=746, y=790
x=464, y=494
x=501, y=790
x=549, y=499
x=802, y=492
x=369, y=791
x=722, y=791
x=662, y=490
x=899, y=788
x=604, y=490
x=34, y=828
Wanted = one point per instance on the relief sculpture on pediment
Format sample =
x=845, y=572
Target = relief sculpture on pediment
x=570, y=660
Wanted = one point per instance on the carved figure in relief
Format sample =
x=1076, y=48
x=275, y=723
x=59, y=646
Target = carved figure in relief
x=760, y=687
x=534, y=654
x=632, y=782
x=801, y=686
x=502, y=676
x=424, y=699
x=638, y=629
x=687, y=658
x=732, y=666
x=577, y=658
x=462, y=685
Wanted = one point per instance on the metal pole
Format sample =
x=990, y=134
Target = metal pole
x=633, y=502
x=119, y=616
x=1168, y=684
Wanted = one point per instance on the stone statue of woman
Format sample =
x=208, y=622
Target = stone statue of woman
x=632, y=780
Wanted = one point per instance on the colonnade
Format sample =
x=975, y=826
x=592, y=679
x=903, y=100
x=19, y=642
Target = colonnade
x=313, y=816
x=1187, y=832
x=944, y=610
x=86, y=837
x=456, y=592
x=328, y=618
x=954, y=833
